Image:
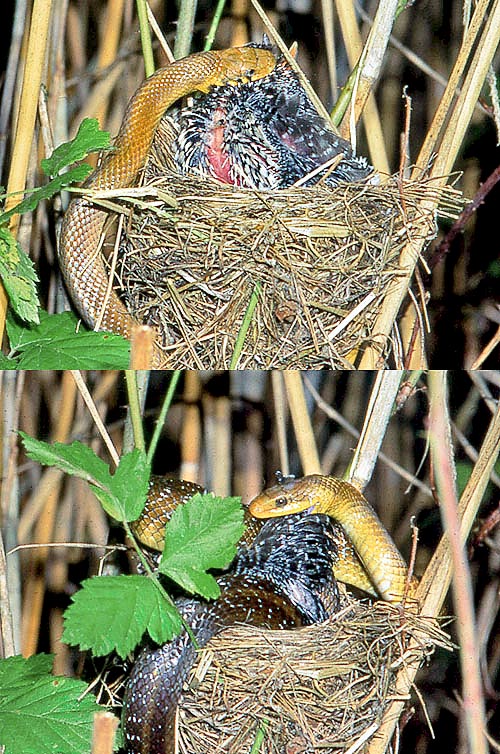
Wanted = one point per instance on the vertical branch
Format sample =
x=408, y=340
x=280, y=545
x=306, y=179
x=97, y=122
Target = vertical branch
x=444, y=471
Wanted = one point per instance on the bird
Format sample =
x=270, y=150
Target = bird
x=263, y=135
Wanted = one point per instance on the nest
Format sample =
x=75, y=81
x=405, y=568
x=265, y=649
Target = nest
x=322, y=688
x=289, y=279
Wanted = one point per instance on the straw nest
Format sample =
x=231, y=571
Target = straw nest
x=315, y=263
x=322, y=688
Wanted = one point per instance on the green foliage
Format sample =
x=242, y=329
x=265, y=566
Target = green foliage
x=52, y=343
x=122, y=494
x=19, y=277
x=41, y=713
x=113, y=612
x=202, y=535
x=55, y=344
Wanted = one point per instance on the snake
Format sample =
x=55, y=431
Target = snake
x=343, y=501
x=285, y=576
x=283, y=579
x=80, y=259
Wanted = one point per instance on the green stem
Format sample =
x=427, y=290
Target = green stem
x=163, y=414
x=238, y=346
x=259, y=736
x=214, y=25
x=185, y=26
x=147, y=47
x=345, y=97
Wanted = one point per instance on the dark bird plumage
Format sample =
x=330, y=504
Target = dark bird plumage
x=265, y=135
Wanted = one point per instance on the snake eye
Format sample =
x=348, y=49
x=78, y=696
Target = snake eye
x=280, y=502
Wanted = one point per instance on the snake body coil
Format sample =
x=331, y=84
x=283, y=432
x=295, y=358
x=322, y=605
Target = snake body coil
x=80, y=259
x=345, y=503
x=283, y=580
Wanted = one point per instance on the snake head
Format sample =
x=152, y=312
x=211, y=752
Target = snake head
x=243, y=64
x=288, y=496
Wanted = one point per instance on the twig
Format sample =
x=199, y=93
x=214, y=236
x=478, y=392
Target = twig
x=459, y=225
x=89, y=402
x=442, y=454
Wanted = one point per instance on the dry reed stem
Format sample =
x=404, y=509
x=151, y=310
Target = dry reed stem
x=372, y=57
x=25, y=126
x=191, y=430
x=445, y=134
x=436, y=580
x=302, y=425
x=103, y=734
x=34, y=587
x=376, y=419
x=354, y=47
x=108, y=47
x=332, y=413
x=444, y=472
x=280, y=420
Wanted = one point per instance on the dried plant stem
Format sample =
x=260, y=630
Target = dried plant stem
x=89, y=402
x=354, y=46
x=442, y=454
x=25, y=126
x=373, y=54
x=436, y=579
x=103, y=734
x=377, y=416
x=191, y=427
x=280, y=420
x=304, y=434
x=452, y=130
x=108, y=47
x=34, y=586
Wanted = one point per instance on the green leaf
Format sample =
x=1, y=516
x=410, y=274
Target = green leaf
x=89, y=139
x=19, y=277
x=126, y=490
x=76, y=459
x=41, y=713
x=202, y=534
x=113, y=612
x=55, y=344
x=54, y=186
x=122, y=494
x=7, y=363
